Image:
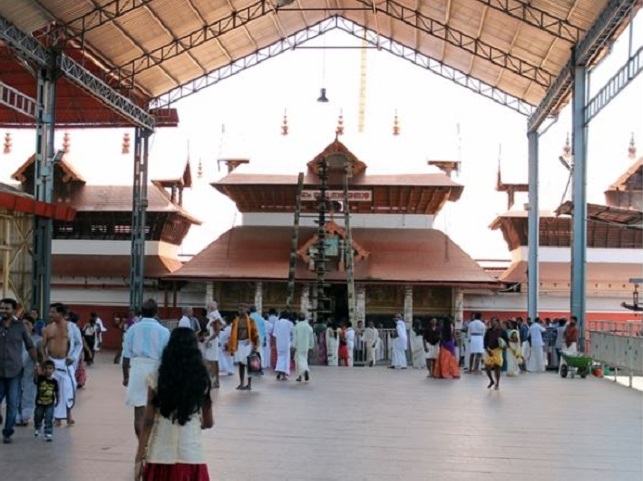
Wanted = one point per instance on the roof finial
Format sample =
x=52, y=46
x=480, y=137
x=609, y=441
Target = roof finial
x=7, y=143
x=396, y=124
x=199, y=169
x=567, y=149
x=340, y=123
x=284, y=123
x=66, y=143
x=631, y=151
x=126, y=144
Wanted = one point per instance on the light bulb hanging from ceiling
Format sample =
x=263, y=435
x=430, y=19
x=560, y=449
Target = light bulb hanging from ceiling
x=322, y=95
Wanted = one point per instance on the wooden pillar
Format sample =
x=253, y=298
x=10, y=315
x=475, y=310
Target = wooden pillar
x=305, y=301
x=360, y=304
x=408, y=306
x=259, y=296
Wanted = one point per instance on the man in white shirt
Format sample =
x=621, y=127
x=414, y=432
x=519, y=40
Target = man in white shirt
x=371, y=338
x=350, y=343
x=399, y=344
x=475, y=334
x=98, y=340
x=283, y=338
x=211, y=343
x=142, y=349
x=536, y=361
x=188, y=319
x=302, y=342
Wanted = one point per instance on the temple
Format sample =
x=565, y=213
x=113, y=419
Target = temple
x=401, y=263
x=614, y=253
x=91, y=250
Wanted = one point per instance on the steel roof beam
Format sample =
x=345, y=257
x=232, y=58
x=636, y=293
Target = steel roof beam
x=17, y=101
x=28, y=48
x=534, y=16
x=100, y=15
x=597, y=37
x=438, y=68
x=625, y=75
x=475, y=46
x=244, y=63
x=237, y=19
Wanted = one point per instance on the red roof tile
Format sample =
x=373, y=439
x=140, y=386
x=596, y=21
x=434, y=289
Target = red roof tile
x=396, y=255
x=118, y=198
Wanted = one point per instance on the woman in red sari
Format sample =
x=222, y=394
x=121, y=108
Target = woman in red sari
x=446, y=366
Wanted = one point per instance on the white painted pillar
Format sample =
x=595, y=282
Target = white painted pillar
x=458, y=306
x=408, y=306
x=259, y=296
x=305, y=301
x=209, y=292
x=360, y=304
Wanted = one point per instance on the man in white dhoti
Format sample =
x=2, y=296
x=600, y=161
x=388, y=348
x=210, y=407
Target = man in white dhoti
x=62, y=343
x=142, y=350
x=267, y=346
x=303, y=340
x=536, y=361
x=399, y=344
x=570, y=339
x=371, y=338
x=211, y=341
x=226, y=363
x=98, y=340
x=283, y=336
x=475, y=335
x=244, y=340
x=350, y=343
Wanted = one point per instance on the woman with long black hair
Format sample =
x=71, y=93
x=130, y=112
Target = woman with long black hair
x=178, y=408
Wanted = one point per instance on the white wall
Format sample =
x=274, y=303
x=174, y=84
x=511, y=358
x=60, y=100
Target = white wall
x=564, y=254
x=559, y=302
x=384, y=221
x=110, y=247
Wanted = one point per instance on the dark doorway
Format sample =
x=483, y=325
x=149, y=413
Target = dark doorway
x=338, y=294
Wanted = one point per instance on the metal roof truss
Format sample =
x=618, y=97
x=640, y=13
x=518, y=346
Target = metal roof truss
x=30, y=49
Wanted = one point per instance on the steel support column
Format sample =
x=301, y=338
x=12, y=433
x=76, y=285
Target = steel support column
x=533, y=274
x=139, y=209
x=44, y=184
x=579, y=201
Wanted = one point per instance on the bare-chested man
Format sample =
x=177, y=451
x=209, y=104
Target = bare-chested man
x=62, y=343
x=244, y=338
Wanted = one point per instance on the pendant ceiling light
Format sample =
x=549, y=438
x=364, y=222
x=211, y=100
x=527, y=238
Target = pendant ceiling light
x=322, y=94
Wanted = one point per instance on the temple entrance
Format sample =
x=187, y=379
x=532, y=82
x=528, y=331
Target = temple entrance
x=338, y=294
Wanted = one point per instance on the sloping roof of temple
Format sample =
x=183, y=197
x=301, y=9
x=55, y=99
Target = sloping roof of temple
x=416, y=256
x=555, y=231
x=389, y=194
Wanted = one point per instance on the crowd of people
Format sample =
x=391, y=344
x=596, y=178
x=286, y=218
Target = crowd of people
x=43, y=364
x=169, y=374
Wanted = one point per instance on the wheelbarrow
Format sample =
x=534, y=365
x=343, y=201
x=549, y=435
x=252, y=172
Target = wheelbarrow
x=575, y=364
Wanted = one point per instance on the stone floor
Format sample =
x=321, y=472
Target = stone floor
x=366, y=424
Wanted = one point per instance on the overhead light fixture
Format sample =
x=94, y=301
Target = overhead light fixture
x=283, y=3
x=322, y=96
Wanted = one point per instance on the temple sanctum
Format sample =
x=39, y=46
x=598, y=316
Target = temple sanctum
x=401, y=263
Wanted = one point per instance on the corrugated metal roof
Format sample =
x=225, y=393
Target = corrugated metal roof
x=152, y=39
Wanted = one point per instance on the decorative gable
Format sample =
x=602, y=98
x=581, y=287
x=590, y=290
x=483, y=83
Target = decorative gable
x=336, y=155
x=333, y=248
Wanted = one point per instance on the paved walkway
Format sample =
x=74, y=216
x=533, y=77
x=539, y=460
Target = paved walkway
x=366, y=425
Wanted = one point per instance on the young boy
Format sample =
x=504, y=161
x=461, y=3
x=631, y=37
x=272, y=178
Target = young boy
x=46, y=399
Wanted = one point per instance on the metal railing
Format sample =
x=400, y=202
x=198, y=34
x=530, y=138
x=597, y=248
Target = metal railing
x=618, y=345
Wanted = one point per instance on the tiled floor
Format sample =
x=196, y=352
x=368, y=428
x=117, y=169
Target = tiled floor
x=366, y=424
